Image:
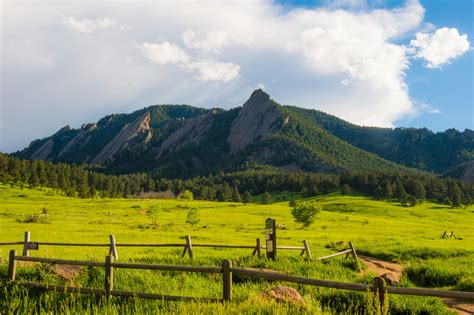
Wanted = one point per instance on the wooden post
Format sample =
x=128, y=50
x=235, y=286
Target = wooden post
x=227, y=280
x=25, y=246
x=109, y=275
x=113, y=247
x=306, y=249
x=12, y=265
x=379, y=287
x=354, y=254
x=353, y=251
x=259, y=248
x=189, y=246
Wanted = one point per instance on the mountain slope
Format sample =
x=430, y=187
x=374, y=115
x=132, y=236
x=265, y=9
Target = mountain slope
x=184, y=141
x=417, y=148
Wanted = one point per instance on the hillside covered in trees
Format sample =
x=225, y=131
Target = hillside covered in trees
x=79, y=181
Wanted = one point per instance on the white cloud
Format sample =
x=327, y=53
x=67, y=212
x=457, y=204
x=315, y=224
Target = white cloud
x=88, y=26
x=213, y=41
x=440, y=47
x=164, y=53
x=344, y=62
x=211, y=70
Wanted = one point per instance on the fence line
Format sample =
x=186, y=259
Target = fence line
x=187, y=246
x=227, y=272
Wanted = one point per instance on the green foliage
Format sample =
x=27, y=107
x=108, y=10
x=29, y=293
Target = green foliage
x=305, y=212
x=153, y=212
x=411, y=238
x=192, y=217
x=186, y=195
x=267, y=198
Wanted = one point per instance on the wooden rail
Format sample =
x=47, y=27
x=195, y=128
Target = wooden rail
x=227, y=272
x=28, y=245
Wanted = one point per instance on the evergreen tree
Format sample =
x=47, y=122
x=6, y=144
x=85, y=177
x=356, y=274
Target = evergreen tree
x=345, y=189
x=236, y=195
x=266, y=198
x=455, y=196
x=247, y=197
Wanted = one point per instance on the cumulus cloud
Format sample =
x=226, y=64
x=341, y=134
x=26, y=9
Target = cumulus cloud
x=212, y=41
x=164, y=53
x=211, y=70
x=88, y=26
x=346, y=62
x=440, y=47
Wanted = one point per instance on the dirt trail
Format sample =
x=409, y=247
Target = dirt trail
x=394, y=271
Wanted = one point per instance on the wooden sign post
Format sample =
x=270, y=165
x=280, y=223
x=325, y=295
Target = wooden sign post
x=271, y=246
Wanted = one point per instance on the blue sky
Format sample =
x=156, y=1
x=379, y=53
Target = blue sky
x=448, y=89
x=371, y=62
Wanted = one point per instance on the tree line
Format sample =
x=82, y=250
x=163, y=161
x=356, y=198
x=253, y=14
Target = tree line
x=409, y=188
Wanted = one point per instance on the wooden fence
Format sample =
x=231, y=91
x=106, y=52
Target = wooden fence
x=227, y=271
x=188, y=246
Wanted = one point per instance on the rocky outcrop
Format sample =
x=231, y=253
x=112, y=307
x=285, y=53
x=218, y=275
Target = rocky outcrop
x=138, y=128
x=43, y=151
x=283, y=294
x=191, y=133
x=81, y=138
x=256, y=118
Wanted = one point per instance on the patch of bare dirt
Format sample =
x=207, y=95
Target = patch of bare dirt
x=392, y=272
x=65, y=271
x=460, y=307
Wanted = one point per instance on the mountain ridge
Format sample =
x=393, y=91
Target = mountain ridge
x=185, y=141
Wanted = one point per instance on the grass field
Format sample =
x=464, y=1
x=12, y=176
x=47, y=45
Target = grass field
x=407, y=235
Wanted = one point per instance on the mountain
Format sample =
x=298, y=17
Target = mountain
x=418, y=148
x=184, y=141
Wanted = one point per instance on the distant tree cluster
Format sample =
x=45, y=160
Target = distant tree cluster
x=408, y=188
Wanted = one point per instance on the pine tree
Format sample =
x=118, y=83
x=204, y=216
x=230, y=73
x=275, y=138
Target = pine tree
x=247, y=197
x=236, y=195
x=266, y=198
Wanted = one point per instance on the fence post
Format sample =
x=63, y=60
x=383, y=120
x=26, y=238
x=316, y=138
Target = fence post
x=188, y=247
x=12, y=265
x=25, y=246
x=259, y=248
x=354, y=254
x=306, y=249
x=379, y=287
x=227, y=280
x=353, y=251
x=109, y=275
x=113, y=247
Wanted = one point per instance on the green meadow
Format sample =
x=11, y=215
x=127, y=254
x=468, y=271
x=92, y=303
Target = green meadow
x=410, y=236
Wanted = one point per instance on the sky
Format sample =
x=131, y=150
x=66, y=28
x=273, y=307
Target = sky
x=372, y=62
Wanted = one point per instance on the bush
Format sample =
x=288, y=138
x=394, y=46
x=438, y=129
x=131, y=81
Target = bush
x=186, y=195
x=193, y=216
x=305, y=212
x=267, y=198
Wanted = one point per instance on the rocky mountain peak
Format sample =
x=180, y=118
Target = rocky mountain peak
x=258, y=98
x=255, y=119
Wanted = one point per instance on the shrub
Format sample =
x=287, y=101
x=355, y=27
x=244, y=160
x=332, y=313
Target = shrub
x=267, y=198
x=193, y=216
x=186, y=195
x=305, y=212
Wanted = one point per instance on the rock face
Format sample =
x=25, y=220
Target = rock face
x=44, y=151
x=139, y=128
x=192, y=132
x=284, y=294
x=81, y=138
x=255, y=119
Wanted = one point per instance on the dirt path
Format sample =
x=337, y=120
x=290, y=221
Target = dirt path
x=392, y=272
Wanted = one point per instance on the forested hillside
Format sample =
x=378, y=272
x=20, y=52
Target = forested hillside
x=418, y=148
x=79, y=181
